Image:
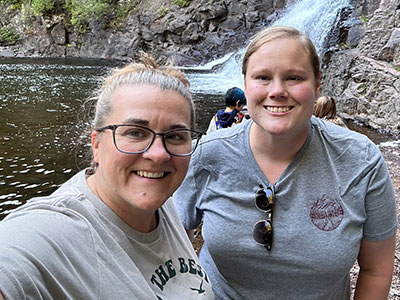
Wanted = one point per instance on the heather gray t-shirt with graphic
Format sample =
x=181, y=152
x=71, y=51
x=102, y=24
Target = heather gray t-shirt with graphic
x=336, y=192
x=70, y=245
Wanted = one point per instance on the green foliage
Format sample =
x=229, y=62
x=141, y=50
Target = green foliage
x=181, y=3
x=84, y=11
x=121, y=11
x=344, y=45
x=364, y=19
x=15, y=4
x=162, y=11
x=362, y=88
x=40, y=7
x=8, y=36
x=112, y=12
x=397, y=68
x=12, y=2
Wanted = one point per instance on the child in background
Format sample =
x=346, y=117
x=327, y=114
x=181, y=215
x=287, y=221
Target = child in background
x=231, y=115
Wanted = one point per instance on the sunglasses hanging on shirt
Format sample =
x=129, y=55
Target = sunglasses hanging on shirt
x=263, y=231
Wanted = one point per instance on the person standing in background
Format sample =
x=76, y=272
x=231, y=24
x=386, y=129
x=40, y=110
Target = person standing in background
x=235, y=101
x=310, y=198
x=325, y=109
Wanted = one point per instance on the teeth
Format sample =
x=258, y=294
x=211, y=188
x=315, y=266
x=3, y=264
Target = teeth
x=150, y=174
x=279, y=108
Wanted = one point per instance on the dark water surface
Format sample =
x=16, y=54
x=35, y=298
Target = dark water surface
x=39, y=104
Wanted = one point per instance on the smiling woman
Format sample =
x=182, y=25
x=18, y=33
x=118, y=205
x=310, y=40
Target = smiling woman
x=309, y=200
x=111, y=231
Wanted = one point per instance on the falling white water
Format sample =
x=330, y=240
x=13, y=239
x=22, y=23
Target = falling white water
x=313, y=17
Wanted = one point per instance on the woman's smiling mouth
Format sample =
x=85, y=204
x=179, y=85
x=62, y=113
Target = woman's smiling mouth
x=278, y=109
x=150, y=174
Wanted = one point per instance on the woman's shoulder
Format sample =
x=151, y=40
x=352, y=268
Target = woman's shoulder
x=330, y=131
x=354, y=142
x=337, y=120
x=67, y=206
x=226, y=133
x=232, y=137
x=44, y=227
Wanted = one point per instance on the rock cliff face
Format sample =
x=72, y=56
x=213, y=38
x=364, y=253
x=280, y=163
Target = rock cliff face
x=366, y=79
x=195, y=34
x=362, y=71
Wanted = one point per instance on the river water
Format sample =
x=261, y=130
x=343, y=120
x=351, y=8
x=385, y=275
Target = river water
x=40, y=100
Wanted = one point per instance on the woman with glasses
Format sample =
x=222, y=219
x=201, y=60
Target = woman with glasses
x=111, y=231
x=289, y=202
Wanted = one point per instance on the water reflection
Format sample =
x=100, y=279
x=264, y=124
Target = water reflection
x=39, y=102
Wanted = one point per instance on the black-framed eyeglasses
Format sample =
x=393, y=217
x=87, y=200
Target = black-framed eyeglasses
x=263, y=231
x=136, y=139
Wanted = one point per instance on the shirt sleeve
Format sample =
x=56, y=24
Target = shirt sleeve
x=380, y=202
x=22, y=258
x=36, y=256
x=187, y=198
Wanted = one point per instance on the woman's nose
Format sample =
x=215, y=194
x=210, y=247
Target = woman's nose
x=157, y=151
x=277, y=89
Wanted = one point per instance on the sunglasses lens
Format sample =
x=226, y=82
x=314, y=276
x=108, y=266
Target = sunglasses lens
x=264, y=199
x=262, y=233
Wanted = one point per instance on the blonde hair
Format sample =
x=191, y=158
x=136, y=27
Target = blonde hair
x=325, y=107
x=278, y=32
x=146, y=72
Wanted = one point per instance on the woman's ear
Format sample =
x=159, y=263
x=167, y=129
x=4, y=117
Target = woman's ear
x=95, y=141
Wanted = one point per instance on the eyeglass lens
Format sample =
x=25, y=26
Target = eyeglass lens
x=133, y=139
x=262, y=231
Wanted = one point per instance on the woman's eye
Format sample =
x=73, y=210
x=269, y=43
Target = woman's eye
x=294, y=78
x=262, y=77
x=174, y=137
x=136, y=133
x=178, y=137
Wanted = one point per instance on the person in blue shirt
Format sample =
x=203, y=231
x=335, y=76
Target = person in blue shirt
x=235, y=102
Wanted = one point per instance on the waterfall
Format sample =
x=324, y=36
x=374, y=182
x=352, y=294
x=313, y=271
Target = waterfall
x=315, y=18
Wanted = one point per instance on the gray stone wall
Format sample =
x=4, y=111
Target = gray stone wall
x=366, y=79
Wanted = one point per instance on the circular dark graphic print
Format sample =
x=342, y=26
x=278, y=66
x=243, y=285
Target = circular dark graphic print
x=326, y=213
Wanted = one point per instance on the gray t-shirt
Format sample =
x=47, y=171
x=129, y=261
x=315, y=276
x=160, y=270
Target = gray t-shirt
x=70, y=245
x=336, y=192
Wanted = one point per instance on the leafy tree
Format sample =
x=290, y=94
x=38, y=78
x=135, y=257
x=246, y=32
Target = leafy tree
x=40, y=7
x=83, y=11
